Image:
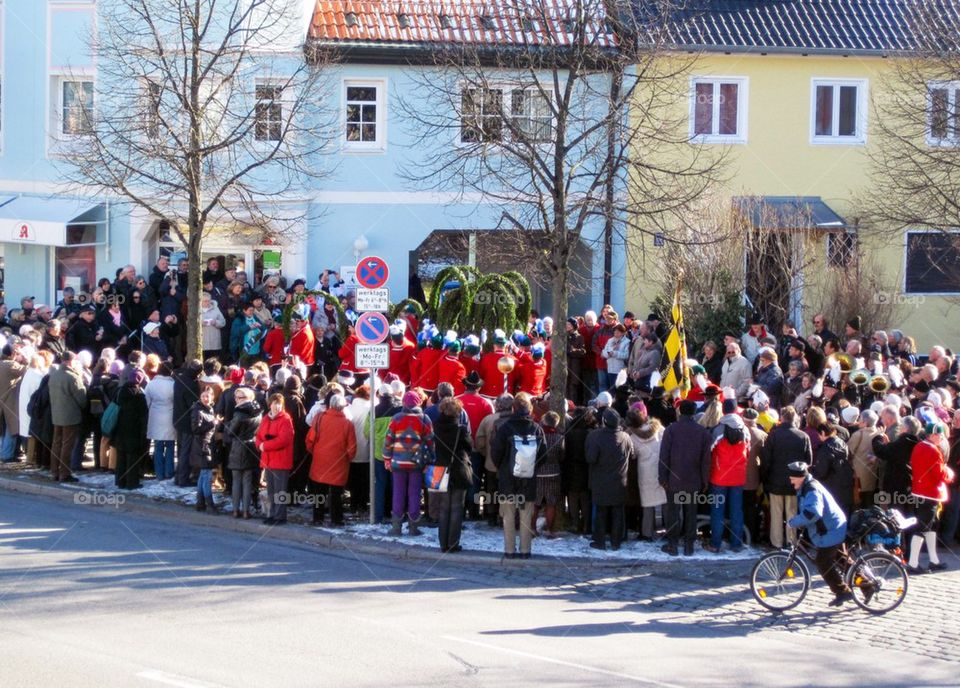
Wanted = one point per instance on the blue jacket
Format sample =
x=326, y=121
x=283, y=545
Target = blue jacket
x=819, y=513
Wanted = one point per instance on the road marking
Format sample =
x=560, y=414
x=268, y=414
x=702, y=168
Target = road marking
x=175, y=679
x=560, y=662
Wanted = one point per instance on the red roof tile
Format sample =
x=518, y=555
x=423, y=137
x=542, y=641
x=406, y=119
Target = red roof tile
x=476, y=22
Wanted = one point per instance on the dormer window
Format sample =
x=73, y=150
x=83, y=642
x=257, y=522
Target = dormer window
x=486, y=22
x=403, y=20
x=350, y=18
x=527, y=24
x=445, y=21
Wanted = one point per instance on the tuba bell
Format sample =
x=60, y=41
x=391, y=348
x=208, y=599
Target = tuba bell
x=860, y=377
x=879, y=384
x=843, y=359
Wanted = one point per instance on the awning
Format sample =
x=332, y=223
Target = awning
x=789, y=212
x=43, y=220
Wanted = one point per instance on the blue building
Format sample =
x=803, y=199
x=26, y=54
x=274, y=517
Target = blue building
x=52, y=235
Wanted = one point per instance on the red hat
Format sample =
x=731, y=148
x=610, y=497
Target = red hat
x=236, y=376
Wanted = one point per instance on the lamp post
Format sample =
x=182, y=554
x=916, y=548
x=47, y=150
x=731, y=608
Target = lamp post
x=360, y=245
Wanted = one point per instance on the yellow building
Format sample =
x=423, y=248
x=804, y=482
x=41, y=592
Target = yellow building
x=790, y=90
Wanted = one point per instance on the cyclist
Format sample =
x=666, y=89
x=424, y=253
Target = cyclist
x=826, y=526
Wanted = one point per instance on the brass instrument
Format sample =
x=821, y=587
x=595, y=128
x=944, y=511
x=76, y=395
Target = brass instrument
x=844, y=360
x=860, y=377
x=879, y=384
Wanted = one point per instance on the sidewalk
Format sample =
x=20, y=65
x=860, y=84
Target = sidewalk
x=482, y=545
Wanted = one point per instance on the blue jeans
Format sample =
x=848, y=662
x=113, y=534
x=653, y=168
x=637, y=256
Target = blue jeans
x=205, y=486
x=8, y=446
x=604, y=381
x=723, y=497
x=381, y=488
x=163, y=458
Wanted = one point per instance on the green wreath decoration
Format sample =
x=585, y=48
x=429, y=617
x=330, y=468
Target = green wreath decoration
x=396, y=310
x=483, y=301
x=297, y=299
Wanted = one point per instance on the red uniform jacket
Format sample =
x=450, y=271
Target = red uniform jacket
x=400, y=357
x=303, y=344
x=492, y=377
x=477, y=408
x=347, y=355
x=275, y=437
x=533, y=376
x=429, y=368
x=930, y=472
x=470, y=363
x=273, y=345
x=452, y=371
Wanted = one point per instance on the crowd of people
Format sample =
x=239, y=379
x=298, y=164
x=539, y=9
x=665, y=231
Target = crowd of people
x=463, y=423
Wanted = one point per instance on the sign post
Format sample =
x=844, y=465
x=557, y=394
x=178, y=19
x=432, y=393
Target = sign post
x=372, y=329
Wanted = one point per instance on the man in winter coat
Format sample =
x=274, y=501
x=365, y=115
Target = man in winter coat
x=785, y=444
x=896, y=474
x=826, y=526
x=130, y=436
x=517, y=448
x=832, y=467
x=12, y=370
x=684, y=471
x=84, y=334
x=609, y=451
x=737, y=372
x=68, y=399
x=483, y=445
x=186, y=391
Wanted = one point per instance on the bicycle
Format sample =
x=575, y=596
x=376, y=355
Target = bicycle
x=878, y=579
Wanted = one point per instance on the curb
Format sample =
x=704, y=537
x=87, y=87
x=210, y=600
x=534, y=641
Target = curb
x=299, y=534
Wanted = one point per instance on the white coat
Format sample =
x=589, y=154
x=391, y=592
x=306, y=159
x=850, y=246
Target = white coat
x=159, y=393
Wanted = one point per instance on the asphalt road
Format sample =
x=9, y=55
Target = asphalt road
x=100, y=597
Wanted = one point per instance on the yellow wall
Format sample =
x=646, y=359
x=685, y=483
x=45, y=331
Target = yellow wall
x=779, y=160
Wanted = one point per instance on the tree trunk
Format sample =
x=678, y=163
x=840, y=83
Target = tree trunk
x=194, y=290
x=558, y=343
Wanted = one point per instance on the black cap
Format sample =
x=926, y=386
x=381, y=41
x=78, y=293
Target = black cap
x=629, y=314
x=88, y=309
x=798, y=343
x=797, y=469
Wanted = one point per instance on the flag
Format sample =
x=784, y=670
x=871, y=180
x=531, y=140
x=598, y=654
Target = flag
x=673, y=371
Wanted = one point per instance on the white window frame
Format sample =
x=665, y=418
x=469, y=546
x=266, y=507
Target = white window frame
x=860, y=138
x=58, y=81
x=743, y=99
x=953, y=89
x=380, y=145
x=906, y=249
x=507, y=89
x=284, y=103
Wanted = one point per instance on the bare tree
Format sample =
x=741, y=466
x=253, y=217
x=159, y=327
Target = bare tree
x=206, y=113
x=569, y=125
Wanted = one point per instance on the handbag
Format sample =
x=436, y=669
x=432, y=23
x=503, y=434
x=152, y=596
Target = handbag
x=108, y=421
x=436, y=478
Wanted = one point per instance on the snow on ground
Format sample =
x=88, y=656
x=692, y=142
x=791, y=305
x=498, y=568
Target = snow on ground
x=476, y=537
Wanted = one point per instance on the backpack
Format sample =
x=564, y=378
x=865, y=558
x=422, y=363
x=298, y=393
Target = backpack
x=733, y=435
x=108, y=421
x=524, y=455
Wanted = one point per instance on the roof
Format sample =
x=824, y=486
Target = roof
x=829, y=26
x=404, y=23
x=789, y=212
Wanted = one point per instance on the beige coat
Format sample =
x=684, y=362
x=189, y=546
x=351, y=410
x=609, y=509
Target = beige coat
x=484, y=443
x=11, y=373
x=864, y=462
x=757, y=439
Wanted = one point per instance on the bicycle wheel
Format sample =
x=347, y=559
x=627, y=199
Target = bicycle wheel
x=879, y=582
x=779, y=581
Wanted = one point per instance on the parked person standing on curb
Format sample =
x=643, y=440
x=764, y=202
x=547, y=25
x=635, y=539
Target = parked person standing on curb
x=203, y=423
x=609, y=451
x=453, y=450
x=518, y=447
x=159, y=394
x=407, y=448
x=130, y=434
x=332, y=443
x=244, y=459
x=684, y=471
x=785, y=444
x=275, y=440
x=68, y=398
x=185, y=394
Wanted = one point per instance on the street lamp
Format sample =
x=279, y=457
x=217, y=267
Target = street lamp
x=360, y=245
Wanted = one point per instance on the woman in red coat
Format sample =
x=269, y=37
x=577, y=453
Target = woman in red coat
x=275, y=442
x=332, y=442
x=931, y=475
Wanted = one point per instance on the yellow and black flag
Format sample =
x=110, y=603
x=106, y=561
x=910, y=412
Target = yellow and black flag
x=673, y=371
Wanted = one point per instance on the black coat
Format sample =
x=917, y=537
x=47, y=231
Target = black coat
x=896, y=473
x=685, y=456
x=54, y=345
x=41, y=418
x=784, y=445
x=575, y=472
x=832, y=467
x=240, y=432
x=503, y=454
x=609, y=451
x=82, y=336
x=186, y=391
x=130, y=435
x=452, y=445
x=203, y=423
x=714, y=367
x=112, y=333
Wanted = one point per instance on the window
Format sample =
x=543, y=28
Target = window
x=932, y=263
x=841, y=249
x=482, y=113
x=718, y=110
x=944, y=117
x=76, y=107
x=839, y=111
x=364, y=116
x=269, y=113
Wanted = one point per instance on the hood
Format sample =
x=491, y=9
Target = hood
x=248, y=408
x=646, y=432
x=732, y=420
